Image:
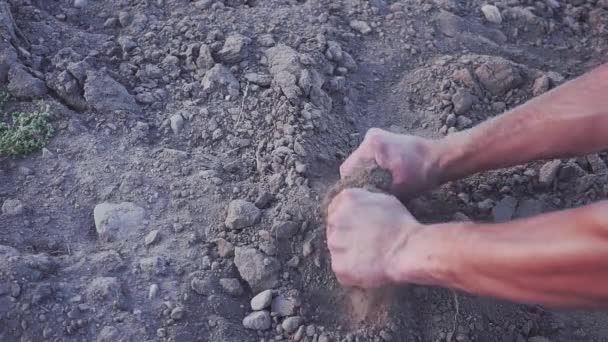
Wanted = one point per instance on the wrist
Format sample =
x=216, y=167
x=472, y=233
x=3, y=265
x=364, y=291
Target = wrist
x=450, y=156
x=426, y=256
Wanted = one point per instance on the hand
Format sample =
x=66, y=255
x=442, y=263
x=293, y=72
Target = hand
x=366, y=233
x=411, y=160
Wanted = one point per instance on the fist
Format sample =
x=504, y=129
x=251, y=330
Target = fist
x=411, y=160
x=365, y=234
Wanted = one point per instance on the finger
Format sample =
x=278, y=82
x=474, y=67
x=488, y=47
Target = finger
x=358, y=157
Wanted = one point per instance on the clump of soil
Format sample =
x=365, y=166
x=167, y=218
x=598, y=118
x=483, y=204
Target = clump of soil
x=372, y=178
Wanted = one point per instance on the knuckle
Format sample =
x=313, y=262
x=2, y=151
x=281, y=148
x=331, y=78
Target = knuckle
x=374, y=136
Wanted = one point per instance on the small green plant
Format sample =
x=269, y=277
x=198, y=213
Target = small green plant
x=22, y=133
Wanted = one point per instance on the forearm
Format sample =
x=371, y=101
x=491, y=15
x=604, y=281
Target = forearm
x=558, y=259
x=568, y=121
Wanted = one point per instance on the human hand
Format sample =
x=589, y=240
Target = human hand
x=366, y=233
x=411, y=160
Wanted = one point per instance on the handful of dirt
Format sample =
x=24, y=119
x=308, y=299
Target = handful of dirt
x=364, y=304
x=371, y=178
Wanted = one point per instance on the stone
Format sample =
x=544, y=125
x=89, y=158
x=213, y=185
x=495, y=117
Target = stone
x=13, y=207
x=151, y=238
x=360, y=26
x=291, y=324
x=499, y=76
x=201, y=284
x=259, y=320
x=177, y=123
x=486, y=204
x=177, y=313
x=232, y=286
x=462, y=100
x=504, y=210
x=529, y=207
x=22, y=85
x=234, y=49
x=285, y=230
x=127, y=44
x=261, y=301
x=263, y=199
x=541, y=85
x=152, y=291
x=117, y=221
x=285, y=67
x=283, y=306
x=225, y=249
x=242, y=214
x=492, y=14
x=105, y=94
x=262, y=80
x=153, y=266
x=539, y=339
x=205, y=60
x=463, y=122
x=598, y=166
x=104, y=289
x=548, y=172
x=259, y=271
x=219, y=77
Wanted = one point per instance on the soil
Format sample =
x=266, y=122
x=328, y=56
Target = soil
x=195, y=141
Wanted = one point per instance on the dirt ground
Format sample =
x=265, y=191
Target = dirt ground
x=194, y=141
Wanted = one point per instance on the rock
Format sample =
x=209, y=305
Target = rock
x=224, y=248
x=541, y=85
x=205, y=59
x=598, y=166
x=232, y=286
x=104, y=289
x=492, y=14
x=105, y=94
x=503, y=210
x=151, y=238
x=242, y=214
x=8, y=60
x=285, y=67
x=127, y=44
x=548, y=172
x=283, y=306
x=462, y=100
x=286, y=230
x=291, y=324
x=13, y=207
x=529, y=207
x=152, y=291
x=177, y=123
x=22, y=85
x=116, y=221
x=259, y=320
x=261, y=301
x=220, y=77
x=80, y=3
x=234, y=49
x=202, y=284
x=177, y=313
x=260, y=272
x=360, y=26
x=463, y=122
x=499, y=76
x=263, y=199
x=153, y=266
x=259, y=79
x=486, y=204
x=539, y=339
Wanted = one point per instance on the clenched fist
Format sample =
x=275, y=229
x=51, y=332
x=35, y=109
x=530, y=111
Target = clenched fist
x=366, y=234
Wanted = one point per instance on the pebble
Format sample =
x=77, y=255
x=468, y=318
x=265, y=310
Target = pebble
x=529, y=207
x=225, y=249
x=151, y=238
x=290, y=324
x=259, y=271
x=492, y=14
x=503, y=210
x=232, y=286
x=499, y=76
x=153, y=291
x=462, y=100
x=177, y=123
x=263, y=199
x=80, y=3
x=177, y=313
x=541, y=85
x=486, y=204
x=539, y=339
x=13, y=207
x=259, y=320
x=117, y=221
x=242, y=214
x=286, y=230
x=261, y=301
x=360, y=26
x=548, y=172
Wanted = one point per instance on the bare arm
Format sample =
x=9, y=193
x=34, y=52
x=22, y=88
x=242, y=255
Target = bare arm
x=558, y=259
x=568, y=121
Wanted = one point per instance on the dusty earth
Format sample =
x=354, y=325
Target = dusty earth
x=179, y=198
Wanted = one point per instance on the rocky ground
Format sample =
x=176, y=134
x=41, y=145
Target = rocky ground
x=179, y=198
